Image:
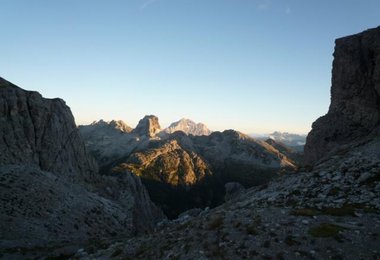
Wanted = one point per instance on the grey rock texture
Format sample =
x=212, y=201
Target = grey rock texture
x=51, y=193
x=168, y=163
x=121, y=125
x=329, y=213
x=148, y=126
x=109, y=141
x=233, y=189
x=40, y=132
x=188, y=127
x=354, y=113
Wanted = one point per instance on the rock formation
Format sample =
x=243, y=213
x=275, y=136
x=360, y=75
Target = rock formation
x=188, y=127
x=168, y=163
x=40, y=132
x=121, y=125
x=108, y=141
x=148, y=126
x=354, y=113
x=51, y=193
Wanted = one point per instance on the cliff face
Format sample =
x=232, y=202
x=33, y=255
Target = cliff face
x=51, y=192
x=354, y=113
x=168, y=163
x=148, y=126
x=40, y=132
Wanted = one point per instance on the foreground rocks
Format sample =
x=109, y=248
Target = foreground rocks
x=51, y=193
x=332, y=213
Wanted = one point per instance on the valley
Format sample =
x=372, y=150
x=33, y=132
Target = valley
x=111, y=191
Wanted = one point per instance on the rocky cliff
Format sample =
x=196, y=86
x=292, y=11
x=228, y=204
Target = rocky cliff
x=40, y=132
x=148, y=127
x=169, y=163
x=51, y=193
x=354, y=113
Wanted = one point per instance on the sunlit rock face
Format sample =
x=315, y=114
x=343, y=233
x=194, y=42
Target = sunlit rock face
x=120, y=125
x=188, y=127
x=169, y=164
x=354, y=113
x=148, y=126
x=185, y=171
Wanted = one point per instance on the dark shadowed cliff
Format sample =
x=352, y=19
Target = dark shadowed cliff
x=51, y=193
x=354, y=113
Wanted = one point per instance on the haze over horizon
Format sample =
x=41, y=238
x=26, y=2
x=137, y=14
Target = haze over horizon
x=256, y=66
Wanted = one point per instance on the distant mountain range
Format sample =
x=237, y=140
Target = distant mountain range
x=185, y=165
x=296, y=141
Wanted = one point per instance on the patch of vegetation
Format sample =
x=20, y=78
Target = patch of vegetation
x=326, y=230
x=308, y=212
x=371, y=181
x=216, y=223
x=117, y=252
x=141, y=250
x=184, y=226
x=345, y=210
x=334, y=191
x=290, y=241
x=296, y=193
x=164, y=248
x=266, y=244
x=251, y=230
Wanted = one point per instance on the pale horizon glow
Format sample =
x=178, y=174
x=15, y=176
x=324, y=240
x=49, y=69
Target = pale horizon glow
x=256, y=66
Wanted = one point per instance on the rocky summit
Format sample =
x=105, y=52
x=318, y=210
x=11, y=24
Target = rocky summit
x=53, y=199
x=330, y=209
x=354, y=113
x=188, y=127
x=148, y=127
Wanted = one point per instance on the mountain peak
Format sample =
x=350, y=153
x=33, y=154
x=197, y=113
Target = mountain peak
x=148, y=126
x=188, y=127
x=116, y=124
x=121, y=125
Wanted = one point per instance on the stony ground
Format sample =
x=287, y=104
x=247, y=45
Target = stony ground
x=332, y=212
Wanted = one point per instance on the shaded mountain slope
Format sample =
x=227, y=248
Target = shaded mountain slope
x=192, y=169
x=51, y=193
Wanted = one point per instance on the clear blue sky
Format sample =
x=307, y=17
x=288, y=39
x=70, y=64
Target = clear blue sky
x=252, y=65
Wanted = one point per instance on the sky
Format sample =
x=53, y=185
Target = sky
x=252, y=65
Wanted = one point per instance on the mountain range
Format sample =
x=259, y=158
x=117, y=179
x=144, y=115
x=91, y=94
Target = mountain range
x=100, y=191
x=191, y=168
x=329, y=209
